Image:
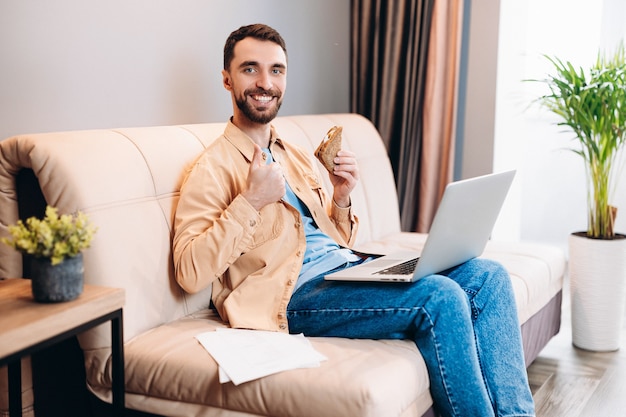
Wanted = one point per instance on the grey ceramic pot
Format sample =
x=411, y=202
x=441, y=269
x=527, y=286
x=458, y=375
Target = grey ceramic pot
x=57, y=283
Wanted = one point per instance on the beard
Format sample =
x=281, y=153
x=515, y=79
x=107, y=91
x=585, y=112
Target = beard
x=260, y=114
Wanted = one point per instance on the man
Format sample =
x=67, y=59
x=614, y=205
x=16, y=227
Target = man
x=254, y=222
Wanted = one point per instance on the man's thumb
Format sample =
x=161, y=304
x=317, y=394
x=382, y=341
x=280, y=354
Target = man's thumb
x=257, y=157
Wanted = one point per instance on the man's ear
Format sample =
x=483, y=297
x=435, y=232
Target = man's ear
x=226, y=80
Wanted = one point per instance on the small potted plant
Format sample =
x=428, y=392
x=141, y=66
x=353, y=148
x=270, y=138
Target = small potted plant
x=591, y=103
x=54, y=248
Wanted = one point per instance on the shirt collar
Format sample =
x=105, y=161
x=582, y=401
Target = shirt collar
x=244, y=144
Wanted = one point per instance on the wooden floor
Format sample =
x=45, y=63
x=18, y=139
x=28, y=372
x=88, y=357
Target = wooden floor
x=570, y=382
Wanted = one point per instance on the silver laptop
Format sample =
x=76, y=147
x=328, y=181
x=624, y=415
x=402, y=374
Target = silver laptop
x=460, y=231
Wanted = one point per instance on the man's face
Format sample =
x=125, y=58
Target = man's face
x=257, y=79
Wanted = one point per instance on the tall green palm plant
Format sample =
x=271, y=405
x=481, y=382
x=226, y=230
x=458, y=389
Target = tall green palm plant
x=592, y=104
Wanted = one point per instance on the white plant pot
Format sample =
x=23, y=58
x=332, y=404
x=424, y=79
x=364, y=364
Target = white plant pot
x=597, y=272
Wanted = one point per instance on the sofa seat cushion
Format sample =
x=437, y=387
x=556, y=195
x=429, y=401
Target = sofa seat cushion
x=360, y=377
x=536, y=270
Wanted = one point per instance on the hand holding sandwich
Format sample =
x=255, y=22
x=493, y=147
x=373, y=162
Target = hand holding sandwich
x=341, y=165
x=344, y=177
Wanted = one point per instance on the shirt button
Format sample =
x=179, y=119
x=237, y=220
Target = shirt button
x=281, y=316
x=299, y=253
x=290, y=282
x=282, y=326
x=252, y=223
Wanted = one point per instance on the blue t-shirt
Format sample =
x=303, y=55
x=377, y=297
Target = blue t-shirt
x=322, y=253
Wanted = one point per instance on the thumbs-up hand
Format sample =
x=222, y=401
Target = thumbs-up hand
x=265, y=183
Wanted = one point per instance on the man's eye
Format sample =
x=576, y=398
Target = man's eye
x=248, y=70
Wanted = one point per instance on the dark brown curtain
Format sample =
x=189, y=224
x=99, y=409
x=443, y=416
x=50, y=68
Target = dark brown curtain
x=390, y=64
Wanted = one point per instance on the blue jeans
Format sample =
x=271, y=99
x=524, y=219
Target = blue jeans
x=464, y=322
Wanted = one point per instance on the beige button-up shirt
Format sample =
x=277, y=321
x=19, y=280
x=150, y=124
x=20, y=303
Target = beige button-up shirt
x=252, y=258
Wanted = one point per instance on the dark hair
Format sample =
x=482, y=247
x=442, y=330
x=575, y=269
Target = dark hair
x=258, y=31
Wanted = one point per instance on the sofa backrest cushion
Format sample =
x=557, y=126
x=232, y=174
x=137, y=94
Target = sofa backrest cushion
x=127, y=181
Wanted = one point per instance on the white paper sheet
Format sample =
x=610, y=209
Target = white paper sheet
x=245, y=355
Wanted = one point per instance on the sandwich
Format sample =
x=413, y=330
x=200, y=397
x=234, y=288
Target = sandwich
x=328, y=148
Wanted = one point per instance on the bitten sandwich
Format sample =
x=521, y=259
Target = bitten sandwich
x=328, y=148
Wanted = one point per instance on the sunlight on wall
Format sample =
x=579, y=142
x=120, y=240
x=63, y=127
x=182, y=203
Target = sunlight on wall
x=548, y=199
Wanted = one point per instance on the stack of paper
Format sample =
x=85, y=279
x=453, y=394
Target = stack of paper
x=245, y=355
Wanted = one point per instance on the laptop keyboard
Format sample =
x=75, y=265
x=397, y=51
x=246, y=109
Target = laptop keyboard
x=404, y=268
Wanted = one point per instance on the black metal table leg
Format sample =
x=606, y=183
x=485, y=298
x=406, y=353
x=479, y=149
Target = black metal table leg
x=15, y=388
x=117, y=350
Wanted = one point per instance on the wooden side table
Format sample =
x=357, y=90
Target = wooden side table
x=27, y=326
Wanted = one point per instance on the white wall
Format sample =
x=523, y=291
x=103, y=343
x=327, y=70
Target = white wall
x=82, y=64
x=549, y=193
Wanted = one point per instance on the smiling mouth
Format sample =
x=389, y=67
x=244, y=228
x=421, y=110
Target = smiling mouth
x=263, y=99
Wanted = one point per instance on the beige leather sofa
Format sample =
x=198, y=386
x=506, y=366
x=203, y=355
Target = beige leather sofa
x=127, y=180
